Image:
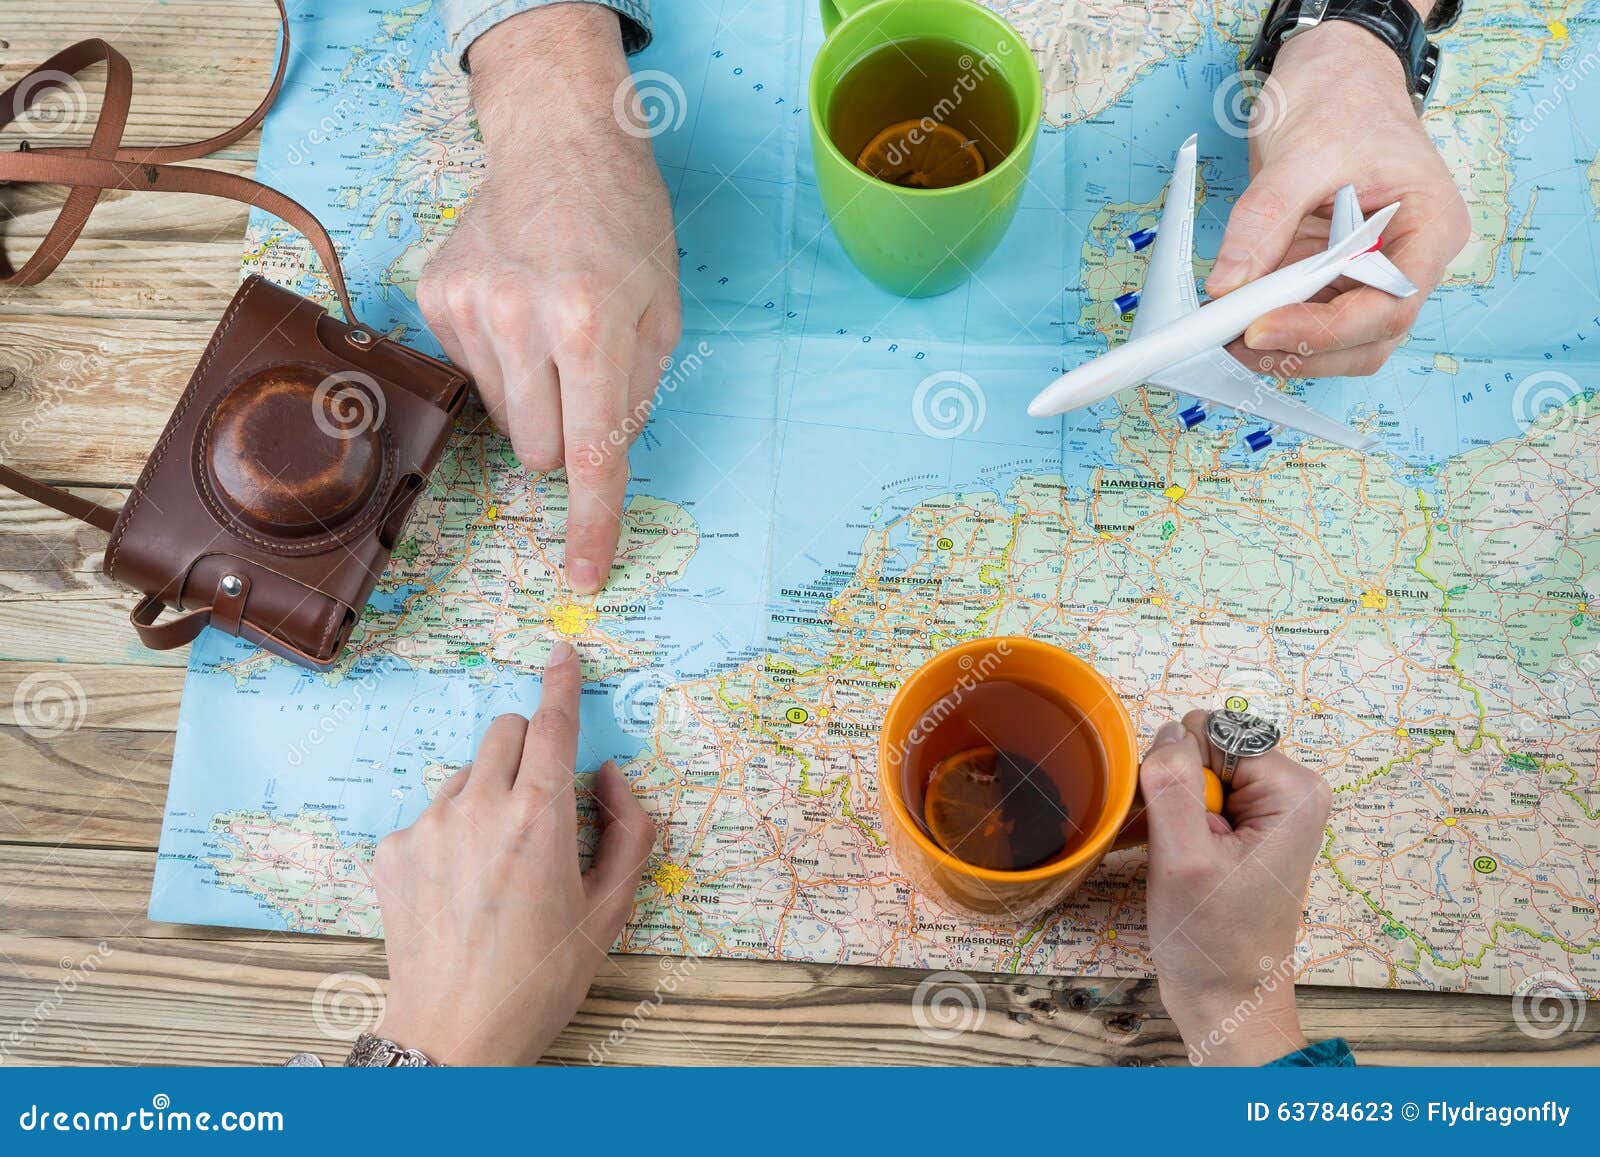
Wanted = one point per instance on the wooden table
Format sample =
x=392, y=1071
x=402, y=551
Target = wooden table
x=90, y=364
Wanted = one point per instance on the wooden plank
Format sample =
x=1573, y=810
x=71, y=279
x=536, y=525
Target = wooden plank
x=99, y=786
x=240, y=1002
x=198, y=67
x=172, y=994
x=47, y=554
x=83, y=400
x=119, y=697
x=131, y=216
x=78, y=630
x=69, y=386
x=56, y=604
x=132, y=1001
x=153, y=281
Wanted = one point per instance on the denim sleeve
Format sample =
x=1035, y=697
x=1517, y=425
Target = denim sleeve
x=1325, y=1054
x=466, y=20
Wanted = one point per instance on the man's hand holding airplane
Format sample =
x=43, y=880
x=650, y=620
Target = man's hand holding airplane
x=1338, y=113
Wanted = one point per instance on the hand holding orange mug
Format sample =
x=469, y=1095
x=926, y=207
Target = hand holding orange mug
x=1226, y=895
x=1043, y=710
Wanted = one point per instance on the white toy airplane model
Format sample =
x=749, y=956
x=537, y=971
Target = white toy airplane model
x=1178, y=343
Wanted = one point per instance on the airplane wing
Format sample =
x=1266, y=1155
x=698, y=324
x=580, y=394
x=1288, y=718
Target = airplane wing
x=1217, y=376
x=1373, y=268
x=1168, y=291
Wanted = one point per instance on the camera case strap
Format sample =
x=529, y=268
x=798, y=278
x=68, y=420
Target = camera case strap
x=275, y=494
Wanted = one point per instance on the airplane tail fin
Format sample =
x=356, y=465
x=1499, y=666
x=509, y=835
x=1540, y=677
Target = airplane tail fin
x=1371, y=268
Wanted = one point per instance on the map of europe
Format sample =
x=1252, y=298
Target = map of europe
x=837, y=482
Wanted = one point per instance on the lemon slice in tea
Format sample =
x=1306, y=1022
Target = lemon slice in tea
x=916, y=155
x=994, y=809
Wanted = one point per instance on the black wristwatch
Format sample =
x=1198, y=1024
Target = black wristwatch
x=1395, y=22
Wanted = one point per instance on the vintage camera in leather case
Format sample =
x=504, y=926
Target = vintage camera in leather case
x=271, y=503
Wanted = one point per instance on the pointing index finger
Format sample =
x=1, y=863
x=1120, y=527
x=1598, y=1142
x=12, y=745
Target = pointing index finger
x=550, y=752
x=595, y=365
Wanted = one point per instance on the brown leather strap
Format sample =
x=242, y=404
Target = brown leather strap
x=172, y=633
x=105, y=164
x=36, y=165
x=65, y=167
x=19, y=98
x=99, y=517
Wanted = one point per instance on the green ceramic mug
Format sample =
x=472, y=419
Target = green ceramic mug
x=921, y=242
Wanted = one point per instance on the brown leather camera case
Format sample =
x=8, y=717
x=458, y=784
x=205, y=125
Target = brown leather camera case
x=276, y=493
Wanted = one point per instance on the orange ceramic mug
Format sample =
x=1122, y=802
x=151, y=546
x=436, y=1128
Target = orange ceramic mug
x=932, y=695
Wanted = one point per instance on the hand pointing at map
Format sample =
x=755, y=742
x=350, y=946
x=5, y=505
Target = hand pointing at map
x=558, y=290
x=493, y=933
x=1336, y=111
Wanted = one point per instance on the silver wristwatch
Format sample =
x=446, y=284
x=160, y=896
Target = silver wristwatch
x=372, y=1052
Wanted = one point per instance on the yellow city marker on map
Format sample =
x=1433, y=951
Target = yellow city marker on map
x=571, y=619
x=1558, y=30
x=1374, y=600
x=1175, y=492
x=672, y=878
x=447, y=212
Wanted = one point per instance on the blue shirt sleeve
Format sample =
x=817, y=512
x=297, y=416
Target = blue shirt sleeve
x=466, y=20
x=1325, y=1054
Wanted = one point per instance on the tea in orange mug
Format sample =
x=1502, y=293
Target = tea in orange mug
x=1007, y=770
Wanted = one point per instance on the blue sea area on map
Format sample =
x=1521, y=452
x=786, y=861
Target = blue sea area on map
x=800, y=430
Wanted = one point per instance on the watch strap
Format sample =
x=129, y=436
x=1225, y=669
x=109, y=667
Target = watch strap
x=1443, y=14
x=1394, y=22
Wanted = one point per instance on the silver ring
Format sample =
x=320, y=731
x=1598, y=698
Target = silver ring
x=1239, y=735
